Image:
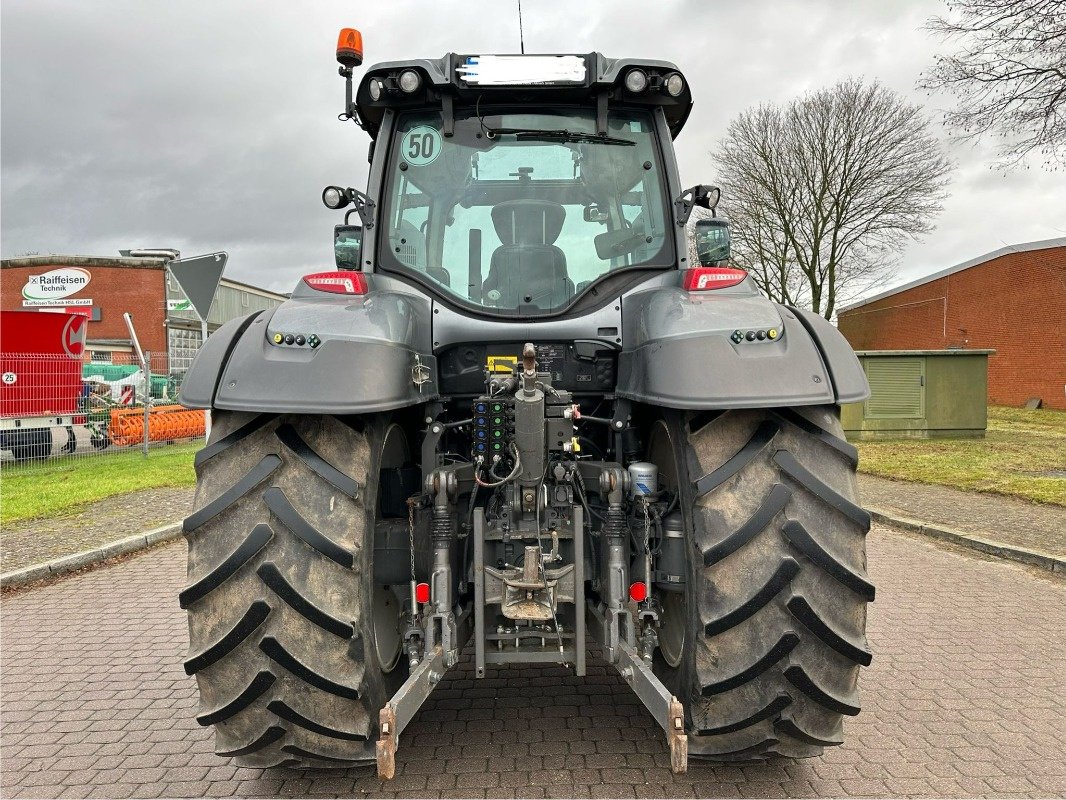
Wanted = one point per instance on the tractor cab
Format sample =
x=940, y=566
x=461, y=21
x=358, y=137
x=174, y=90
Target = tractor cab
x=515, y=185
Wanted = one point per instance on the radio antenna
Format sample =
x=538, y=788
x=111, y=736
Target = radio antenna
x=521, y=34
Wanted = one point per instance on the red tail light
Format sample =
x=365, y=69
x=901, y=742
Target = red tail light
x=422, y=593
x=338, y=282
x=638, y=592
x=703, y=279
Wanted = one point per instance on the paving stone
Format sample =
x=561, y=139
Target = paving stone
x=963, y=699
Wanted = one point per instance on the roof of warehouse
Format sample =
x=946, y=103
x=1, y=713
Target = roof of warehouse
x=82, y=261
x=973, y=262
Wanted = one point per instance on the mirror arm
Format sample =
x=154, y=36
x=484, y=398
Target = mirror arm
x=364, y=207
x=684, y=204
x=698, y=195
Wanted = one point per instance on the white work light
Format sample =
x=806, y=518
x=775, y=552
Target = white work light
x=636, y=80
x=334, y=197
x=410, y=81
x=675, y=84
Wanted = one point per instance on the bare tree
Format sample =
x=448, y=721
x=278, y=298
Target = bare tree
x=1008, y=74
x=823, y=193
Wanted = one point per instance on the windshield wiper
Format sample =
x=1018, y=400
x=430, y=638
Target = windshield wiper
x=559, y=135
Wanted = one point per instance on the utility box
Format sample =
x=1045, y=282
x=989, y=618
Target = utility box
x=921, y=394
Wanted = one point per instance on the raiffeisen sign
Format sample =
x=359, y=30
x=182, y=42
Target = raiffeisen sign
x=54, y=286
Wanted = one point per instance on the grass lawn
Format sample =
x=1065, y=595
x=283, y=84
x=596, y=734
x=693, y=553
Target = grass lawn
x=1019, y=448
x=64, y=485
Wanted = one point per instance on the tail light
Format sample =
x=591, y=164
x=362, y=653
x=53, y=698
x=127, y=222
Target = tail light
x=703, y=279
x=338, y=282
x=638, y=592
x=422, y=593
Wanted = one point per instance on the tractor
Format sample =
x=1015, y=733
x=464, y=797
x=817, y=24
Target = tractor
x=518, y=422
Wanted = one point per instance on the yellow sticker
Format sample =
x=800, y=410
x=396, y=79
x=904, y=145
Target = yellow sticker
x=502, y=363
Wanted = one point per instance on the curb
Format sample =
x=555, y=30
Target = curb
x=60, y=566
x=1033, y=558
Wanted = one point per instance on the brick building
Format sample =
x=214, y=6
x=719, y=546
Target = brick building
x=1012, y=300
x=104, y=288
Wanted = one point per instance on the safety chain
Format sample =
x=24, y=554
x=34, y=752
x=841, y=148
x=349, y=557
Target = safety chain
x=411, y=503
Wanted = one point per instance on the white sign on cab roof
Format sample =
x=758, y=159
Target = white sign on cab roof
x=511, y=70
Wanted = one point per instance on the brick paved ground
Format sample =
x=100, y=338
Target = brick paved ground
x=26, y=543
x=964, y=699
x=1020, y=523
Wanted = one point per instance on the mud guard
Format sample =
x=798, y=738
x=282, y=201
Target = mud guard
x=694, y=352
x=368, y=357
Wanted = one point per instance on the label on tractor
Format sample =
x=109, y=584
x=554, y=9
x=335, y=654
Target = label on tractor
x=421, y=146
x=10, y=378
x=502, y=363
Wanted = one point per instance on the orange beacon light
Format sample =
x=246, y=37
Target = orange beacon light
x=350, y=47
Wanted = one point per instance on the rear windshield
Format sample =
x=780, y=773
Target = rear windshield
x=518, y=213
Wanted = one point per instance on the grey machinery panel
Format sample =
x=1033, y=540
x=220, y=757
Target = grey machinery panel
x=678, y=353
x=374, y=356
x=198, y=388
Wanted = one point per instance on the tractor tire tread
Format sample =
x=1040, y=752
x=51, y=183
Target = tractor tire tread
x=279, y=590
x=255, y=476
x=779, y=594
x=252, y=692
x=255, y=541
x=273, y=577
x=254, y=617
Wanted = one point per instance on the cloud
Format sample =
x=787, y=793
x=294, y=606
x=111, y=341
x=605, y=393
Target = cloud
x=212, y=125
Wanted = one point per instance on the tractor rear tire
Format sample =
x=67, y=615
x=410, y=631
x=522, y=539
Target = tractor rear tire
x=765, y=644
x=285, y=625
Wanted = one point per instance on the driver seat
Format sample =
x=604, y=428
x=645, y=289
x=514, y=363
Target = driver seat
x=528, y=268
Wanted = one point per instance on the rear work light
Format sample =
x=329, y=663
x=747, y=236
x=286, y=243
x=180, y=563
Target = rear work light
x=703, y=279
x=338, y=282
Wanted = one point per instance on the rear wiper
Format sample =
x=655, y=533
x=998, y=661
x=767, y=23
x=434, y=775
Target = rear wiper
x=559, y=135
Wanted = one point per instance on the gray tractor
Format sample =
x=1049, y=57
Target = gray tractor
x=517, y=422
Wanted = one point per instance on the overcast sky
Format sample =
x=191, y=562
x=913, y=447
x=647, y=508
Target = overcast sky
x=212, y=125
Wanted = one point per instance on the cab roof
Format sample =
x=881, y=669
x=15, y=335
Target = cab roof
x=463, y=79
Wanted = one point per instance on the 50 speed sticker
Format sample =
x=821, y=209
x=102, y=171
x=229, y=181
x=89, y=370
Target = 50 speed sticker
x=421, y=146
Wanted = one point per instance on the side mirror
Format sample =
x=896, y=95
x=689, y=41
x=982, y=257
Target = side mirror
x=712, y=241
x=348, y=246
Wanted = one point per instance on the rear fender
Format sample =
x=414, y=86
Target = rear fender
x=679, y=352
x=374, y=355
